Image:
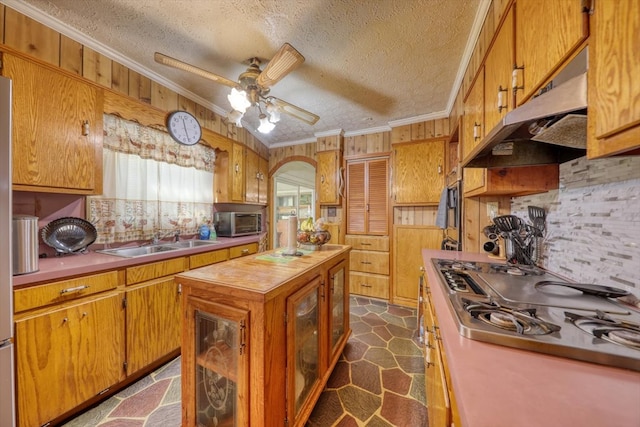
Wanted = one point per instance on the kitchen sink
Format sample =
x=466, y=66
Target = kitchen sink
x=138, y=251
x=154, y=249
x=194, y=243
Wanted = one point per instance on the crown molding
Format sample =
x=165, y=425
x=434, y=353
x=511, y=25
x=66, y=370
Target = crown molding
x=332, y=132
x=476, y=27
x=417, y=119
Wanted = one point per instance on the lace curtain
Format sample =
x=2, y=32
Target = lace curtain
x=151, y=184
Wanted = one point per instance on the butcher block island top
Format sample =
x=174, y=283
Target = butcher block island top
x=263, y=273
x=261, y=335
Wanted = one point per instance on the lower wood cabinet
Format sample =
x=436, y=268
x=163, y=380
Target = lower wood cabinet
x=261, y=337
x=369, y=274
x=67, y=355
x=441, y=405
x=153, y=322
x=408, y=242
x=243, y=250
x=77, y=338
x=152, y=300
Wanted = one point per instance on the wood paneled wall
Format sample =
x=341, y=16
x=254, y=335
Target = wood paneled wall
x=367, y=144
x=24, y=34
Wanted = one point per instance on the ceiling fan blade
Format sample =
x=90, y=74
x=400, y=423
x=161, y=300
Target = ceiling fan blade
x=295, y=111
x=175, y=63
x=284, y=61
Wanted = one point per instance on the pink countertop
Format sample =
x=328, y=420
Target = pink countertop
x=58, y=267
x=498, y=386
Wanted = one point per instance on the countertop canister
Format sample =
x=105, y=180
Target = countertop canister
x=24, y=244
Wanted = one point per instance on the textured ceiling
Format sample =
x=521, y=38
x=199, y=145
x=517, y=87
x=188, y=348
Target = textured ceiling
x=369, y=63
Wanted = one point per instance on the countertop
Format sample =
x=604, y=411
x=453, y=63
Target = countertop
x=498, y=386
x=69, y=265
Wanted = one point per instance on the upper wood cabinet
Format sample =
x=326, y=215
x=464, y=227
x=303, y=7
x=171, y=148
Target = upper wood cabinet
x=252, y=177
x=418, y=172
x=473, y=128
x=613, y=84
x=238, y=173
x=328, y=177
x=229, y=181
x=57, y=129
x=510, y=181
x=263, y=182
x=498, y=96
x=367, y=196
x=547, y=33
x=256, y=178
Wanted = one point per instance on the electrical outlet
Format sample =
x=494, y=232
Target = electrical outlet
x=492, y=209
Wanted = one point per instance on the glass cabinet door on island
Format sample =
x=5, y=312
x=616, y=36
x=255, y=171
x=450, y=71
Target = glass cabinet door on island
x=220, y=365
x=339, y=305
x=303, y=312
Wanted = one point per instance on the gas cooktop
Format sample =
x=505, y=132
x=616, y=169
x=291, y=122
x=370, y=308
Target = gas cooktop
x=523, y=306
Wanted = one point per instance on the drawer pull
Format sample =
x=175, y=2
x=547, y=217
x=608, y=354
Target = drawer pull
x=365, y=285
x=365, y=262
x=76, y=289
x=365, y=244
x=245, y=251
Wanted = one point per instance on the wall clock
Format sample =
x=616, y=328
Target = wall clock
x=184, y=127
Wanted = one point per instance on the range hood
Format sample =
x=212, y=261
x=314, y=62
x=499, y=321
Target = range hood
x=549, y=129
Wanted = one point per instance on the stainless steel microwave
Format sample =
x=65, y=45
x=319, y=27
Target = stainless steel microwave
x=233, y=224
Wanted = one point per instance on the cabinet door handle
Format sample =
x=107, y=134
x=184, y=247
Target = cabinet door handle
x=76, y=289
x=321, y=179
x=514, y=78
x=501, y=95
x=85, y=128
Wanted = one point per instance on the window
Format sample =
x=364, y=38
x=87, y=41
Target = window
x=151, y=184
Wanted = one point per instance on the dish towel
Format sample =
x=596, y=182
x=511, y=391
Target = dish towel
x=441, y=216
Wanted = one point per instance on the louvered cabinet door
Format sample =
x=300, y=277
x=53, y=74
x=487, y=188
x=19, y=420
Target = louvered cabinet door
x=368, y=196
x=377, y=197
x=356, y=197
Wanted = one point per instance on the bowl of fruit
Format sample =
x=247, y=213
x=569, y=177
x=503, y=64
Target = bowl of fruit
x=312, y=235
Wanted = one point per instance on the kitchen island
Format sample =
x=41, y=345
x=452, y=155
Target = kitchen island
x=497, y=386
x=261, y=335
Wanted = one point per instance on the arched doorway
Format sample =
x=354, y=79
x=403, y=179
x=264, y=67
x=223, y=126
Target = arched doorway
x=293, y=194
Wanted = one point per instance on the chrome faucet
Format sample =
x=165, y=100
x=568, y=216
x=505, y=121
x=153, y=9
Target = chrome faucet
x=157, y=236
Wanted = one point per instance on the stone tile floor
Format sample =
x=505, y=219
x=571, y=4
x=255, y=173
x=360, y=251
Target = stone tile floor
x=378, y=381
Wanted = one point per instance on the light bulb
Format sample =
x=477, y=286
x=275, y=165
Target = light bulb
x=236, y=117
x=265, y=125
x=274, y=112
x=238, y=100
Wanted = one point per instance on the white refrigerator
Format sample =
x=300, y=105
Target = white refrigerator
x=7, y=387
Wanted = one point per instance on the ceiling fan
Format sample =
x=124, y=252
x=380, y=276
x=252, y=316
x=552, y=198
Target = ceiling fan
x=256, y=83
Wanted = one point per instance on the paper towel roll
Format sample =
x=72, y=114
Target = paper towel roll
x=292, y=241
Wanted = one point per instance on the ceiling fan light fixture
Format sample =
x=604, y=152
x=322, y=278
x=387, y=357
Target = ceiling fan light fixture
x=236, y=117
x=238, y=100
x=265, y=125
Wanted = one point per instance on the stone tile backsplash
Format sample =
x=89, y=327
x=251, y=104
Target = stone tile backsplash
x=593, y=221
